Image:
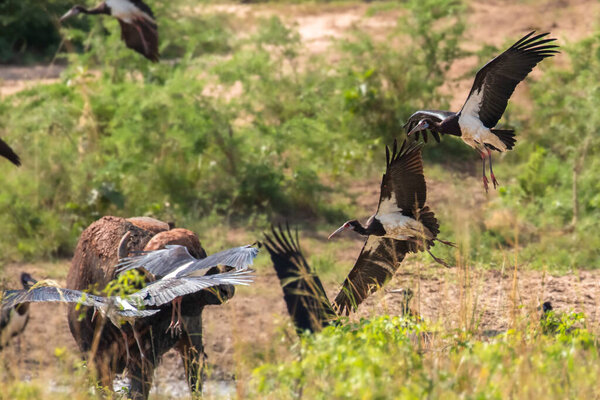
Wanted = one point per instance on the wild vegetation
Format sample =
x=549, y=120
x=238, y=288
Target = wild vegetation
x=241, y=126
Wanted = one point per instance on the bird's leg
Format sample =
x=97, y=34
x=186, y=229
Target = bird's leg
x=172, y=324
x=175, y=326
x=494, y=181
x=137, y=340
x=438, y=260
x=126, y=345
x=485, y=180
x=178, y=323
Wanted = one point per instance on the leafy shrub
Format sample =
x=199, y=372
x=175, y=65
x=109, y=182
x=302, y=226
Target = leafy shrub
x=392, y=357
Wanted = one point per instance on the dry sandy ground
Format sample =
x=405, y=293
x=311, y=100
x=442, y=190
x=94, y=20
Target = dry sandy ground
x=256, y=315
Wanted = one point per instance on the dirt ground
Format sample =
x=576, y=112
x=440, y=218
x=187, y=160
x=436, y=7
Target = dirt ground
x=256, y=315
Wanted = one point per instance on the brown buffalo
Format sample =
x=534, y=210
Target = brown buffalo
x=93, y=266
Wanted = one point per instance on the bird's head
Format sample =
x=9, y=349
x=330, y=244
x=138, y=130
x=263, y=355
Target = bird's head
x=352, y=225
x=421, y=126
x=72, y=12
x=27, y=280
x=547, y=307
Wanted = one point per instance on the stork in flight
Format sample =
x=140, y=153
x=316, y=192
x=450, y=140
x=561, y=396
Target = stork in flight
x=9, y=154
x=402, y=224
x=174, y=264
x=487, y=101
x=138, y=27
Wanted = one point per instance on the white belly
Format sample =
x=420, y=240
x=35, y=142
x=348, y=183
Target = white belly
x=401, y=227
x=125, y=11
x=15, y=326
x=476, y=135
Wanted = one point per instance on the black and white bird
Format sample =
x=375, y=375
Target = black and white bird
x=303, y=293
x=487, y=101
x=402, y=224
x=14, y=319
x=176, y=272
x=8, y=153
x=139, y=30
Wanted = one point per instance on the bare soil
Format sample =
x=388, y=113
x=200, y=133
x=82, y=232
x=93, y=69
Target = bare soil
x=254, y=318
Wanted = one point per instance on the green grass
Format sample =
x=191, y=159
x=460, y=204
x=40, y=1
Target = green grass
x=393, y=357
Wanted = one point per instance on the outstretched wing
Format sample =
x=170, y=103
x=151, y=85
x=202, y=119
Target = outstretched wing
x=174, y=261
x=497, y=80
x=7, y=152
x=377, y=263
x=434, y=115
x=11, y=298
x=403, y=184
x=165, y=290
x=304, y=295
x=142, y=36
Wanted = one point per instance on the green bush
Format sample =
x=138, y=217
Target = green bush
x=393, y=357
x=29, y=29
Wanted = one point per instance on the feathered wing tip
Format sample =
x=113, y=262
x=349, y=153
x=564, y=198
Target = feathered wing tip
x=7, y=152
x=407, y=148
x=304, y=295
x=536, y=45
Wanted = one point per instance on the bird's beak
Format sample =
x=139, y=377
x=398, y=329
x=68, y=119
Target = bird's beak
x=72, y=12
x=419, y=127
x=340, y=229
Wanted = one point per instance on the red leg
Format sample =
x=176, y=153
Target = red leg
x=485, y=180
x=494, y=181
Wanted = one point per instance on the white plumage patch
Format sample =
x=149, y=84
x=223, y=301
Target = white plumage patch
x=473, y=132
x=126, y=11
x=388, y=206
x=15, y=326
x=177, y=270
x=401, y=227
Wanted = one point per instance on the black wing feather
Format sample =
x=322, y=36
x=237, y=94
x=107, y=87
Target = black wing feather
x=303, y=292
x=499, y=77
x=7, y=152
x=130, y=34
x=378, y=261
x=404, y=178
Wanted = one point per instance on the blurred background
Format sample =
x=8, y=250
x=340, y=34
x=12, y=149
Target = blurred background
x=265, y=112
x=278, y=111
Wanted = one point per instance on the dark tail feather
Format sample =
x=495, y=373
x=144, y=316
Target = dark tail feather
x=304, y=295
x=427, y=218
x=507, y=136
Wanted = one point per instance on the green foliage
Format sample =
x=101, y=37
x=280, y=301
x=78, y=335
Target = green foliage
x=29, y=29
x=563, y=145
x=249, y=136
x=393, y=357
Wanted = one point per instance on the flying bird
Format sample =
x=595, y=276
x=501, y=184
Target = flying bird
x=304, y=295
x=120, y=310
x=8, y=153
x=402, y=224
x=13, y=320
x=494, y=84
x=138, y=26
x=176, y=271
